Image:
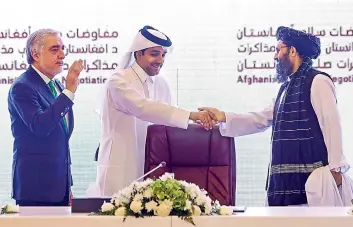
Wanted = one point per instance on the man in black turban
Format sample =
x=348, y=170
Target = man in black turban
x=306, y=46
x=306, y=129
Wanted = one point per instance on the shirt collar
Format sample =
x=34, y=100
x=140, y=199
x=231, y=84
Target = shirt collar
x=144, y=77
x=44, y=77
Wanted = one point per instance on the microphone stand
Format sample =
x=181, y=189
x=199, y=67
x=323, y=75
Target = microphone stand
x=162, y=164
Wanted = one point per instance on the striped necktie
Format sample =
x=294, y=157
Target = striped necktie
x=55, y=94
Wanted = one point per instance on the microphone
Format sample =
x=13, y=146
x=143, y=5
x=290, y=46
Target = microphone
x=162, y=164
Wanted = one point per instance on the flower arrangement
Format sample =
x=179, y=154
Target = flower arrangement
x=10, y=209
x=164, y=196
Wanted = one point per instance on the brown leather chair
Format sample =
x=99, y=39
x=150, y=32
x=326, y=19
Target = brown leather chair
x=195, y=155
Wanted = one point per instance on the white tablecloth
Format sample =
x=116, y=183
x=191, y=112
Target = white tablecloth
x=253, y=217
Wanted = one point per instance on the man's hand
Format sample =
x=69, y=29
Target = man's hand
x=338, y=177
x=202, y=117
x=72, y=76
x=216, y=114
x=70, y=200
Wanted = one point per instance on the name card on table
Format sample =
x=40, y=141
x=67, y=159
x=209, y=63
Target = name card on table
x=87, y=205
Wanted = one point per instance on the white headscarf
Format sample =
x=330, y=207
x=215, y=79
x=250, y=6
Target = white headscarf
x=147, y=37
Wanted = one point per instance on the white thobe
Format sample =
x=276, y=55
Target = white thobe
x=126, y=112
x=323, y=100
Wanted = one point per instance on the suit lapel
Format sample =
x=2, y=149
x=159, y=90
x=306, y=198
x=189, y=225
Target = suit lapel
x=59, y=85
x=44, y=90
x=40, y=85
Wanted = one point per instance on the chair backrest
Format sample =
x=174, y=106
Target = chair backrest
x=195, y=155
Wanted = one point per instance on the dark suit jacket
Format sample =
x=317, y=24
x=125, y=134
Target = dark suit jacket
x=41, y=154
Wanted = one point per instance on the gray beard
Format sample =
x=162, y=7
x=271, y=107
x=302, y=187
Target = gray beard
x=283, y=71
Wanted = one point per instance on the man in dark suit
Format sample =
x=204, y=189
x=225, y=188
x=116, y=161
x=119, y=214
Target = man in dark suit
x=42, y=122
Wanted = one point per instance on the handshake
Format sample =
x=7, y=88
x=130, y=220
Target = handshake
x=208, y=117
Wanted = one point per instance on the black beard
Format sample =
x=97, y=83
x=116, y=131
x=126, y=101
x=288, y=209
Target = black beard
x=283, y=69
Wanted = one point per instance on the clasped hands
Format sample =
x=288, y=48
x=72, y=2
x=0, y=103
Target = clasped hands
x=208, y=117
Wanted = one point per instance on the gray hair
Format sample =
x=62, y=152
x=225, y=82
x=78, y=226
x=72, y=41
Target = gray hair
x=35, y=42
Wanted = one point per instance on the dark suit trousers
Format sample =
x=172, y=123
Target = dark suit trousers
x=64, y=202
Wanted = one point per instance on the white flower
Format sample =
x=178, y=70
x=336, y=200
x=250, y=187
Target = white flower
x=208, y=208
x=196, y=211
x=163, y=210
x=115, y=201
x=106, y=207
x=127, y=191
x=121, y=211
x=187, y=205
x=124, y=200
x=217, y=205
x=12, y=208
x=148, y=193
x=138, y=197
x=123, y=196
x=201, y=199
x=141, y=186
x=166, y=176
x=145, y=184
x=350, y=211
x=115, y=197
x=136, y=206
x=226, y=210
x=138, y=186
x=193, y=190
x=184, y=183
x=208, y=205
x=151, y=205
x=168, y=203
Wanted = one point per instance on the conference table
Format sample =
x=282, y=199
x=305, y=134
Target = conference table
x=252, y=217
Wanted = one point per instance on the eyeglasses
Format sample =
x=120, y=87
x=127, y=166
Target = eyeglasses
x=278, y=49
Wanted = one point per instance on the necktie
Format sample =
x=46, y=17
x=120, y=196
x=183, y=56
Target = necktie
x=55, y=94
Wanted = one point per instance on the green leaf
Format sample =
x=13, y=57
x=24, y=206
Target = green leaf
x=3, y=210
x=188, y=219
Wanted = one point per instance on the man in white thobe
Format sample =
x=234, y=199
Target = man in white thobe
x=134, y=97
x=305, y=123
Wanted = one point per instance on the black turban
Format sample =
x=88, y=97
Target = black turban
x=306, y=44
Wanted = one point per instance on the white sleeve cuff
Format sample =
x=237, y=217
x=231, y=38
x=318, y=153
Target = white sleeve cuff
x=344, y=166
x=223, y=126
x=180, y=118
x=69, y=94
